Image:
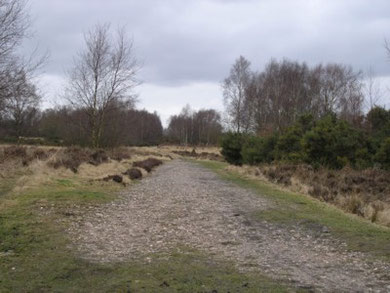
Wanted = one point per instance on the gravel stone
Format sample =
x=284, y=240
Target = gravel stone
x=182, y=203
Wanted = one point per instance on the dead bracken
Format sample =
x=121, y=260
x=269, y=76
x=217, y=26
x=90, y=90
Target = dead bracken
x=133, y=173
x=115, y=178
x=148, y=164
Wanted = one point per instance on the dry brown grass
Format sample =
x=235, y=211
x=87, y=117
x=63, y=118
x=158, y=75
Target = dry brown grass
x=37, y=166
x=174, y=150
x=24, y=154
x=365, y=193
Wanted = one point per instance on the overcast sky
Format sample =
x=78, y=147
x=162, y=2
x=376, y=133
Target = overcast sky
x=188, y=46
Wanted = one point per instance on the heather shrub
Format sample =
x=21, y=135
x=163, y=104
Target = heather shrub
x=133, y=173
x=148, y=164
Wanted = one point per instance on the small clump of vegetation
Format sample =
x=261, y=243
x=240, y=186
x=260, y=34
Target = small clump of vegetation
x=71, y=158
x=148, y=164
x=23, y=154
x=133, y=173
x=202, y=155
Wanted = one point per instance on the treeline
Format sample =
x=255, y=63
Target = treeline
x=290, y=112
x=329, y=141
x=67, y=126
x=273, y=99
x=190, y=127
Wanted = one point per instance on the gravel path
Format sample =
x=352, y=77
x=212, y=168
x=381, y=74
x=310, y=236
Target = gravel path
x=182, y=203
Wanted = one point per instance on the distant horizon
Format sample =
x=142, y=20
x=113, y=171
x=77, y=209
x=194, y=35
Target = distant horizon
x=187, y=48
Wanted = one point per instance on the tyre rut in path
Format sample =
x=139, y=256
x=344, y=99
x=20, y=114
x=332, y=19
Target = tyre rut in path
x=182, y=203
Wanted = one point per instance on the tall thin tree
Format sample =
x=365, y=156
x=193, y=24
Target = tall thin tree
x=105, y=72
x=234, y=93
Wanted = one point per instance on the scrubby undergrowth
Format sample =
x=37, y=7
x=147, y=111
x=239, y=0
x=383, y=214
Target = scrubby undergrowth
x=37, y=165
x=365, y=193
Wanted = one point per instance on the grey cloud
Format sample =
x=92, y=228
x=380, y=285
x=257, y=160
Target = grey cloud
x=189, y=41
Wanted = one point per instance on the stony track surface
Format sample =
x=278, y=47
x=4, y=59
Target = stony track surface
x=182, y=203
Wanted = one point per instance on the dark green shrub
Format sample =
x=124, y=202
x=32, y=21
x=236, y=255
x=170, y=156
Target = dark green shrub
x=332, y=143
x=329, y=142
x=377, y=118
x=383, y=155
x=289, y=143
x=269, y=147
x=289, y=146
x=258, y=150
x=380, y=135
x=231, y=144
x=305, y=122
x=252, y=150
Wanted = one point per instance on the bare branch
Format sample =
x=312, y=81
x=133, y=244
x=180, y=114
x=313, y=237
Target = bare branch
x=103, y=74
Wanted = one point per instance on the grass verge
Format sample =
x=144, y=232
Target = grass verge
x=291, y=208
x=37, y=256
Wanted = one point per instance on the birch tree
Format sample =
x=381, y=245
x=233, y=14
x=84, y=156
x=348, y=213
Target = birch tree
x=105, y=72
x=235, y=98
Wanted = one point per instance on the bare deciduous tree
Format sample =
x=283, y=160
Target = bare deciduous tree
x=19, y=96
x=372, y=89
x=279, y=93
x=340, y=87
x=22, y=100
x=207, y=127
x=201, y=127
x=104, y=73
x=274, y=98
x=14, y=24
x=234, y=92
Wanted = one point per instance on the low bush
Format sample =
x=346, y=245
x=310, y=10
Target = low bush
x=13, y=152
x=383, y=154
x=332, y=143
x=119, y=154
x=259, y=150
x=148, y=164
x=24, y=154
x=232, y=146
x=98, y=157
x=289, y=146
x=133, y=173
x=202, y=155
x=71, y=158
x=41, y=154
